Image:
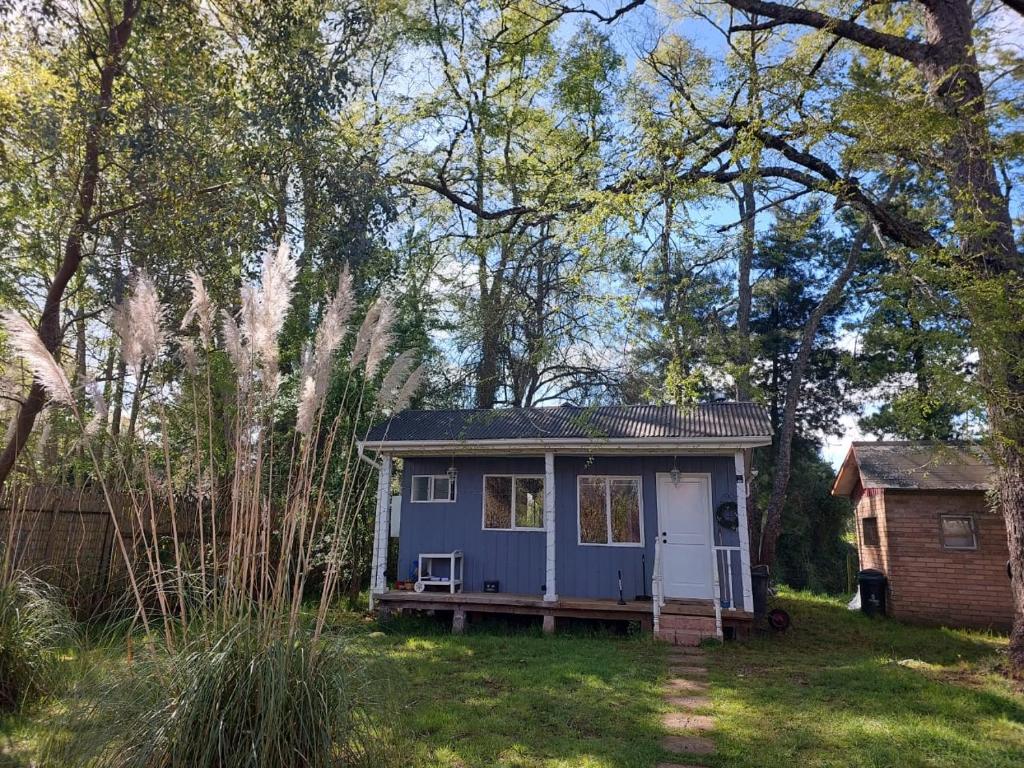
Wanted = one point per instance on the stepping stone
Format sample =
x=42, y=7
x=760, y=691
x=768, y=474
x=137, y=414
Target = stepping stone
x=689, y=702
x=683, y=685
x=684, y=671
x=686, y=650
x=688, y=745
x=688, y=661
x=684, y=721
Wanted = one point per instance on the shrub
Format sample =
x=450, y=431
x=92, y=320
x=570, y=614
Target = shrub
x=35, y=627
x=237, y=699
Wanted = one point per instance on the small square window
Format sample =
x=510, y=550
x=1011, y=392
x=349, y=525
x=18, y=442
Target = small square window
x=958, y=532
x=869, y=532
x=433, y=488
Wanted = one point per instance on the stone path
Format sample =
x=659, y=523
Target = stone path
x=687, y=722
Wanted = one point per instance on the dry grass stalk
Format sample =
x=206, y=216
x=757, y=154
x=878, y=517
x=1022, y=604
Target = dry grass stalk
x=279, y=506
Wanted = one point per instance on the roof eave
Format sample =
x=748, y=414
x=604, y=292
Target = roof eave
x=562, y=445
x=848, y=475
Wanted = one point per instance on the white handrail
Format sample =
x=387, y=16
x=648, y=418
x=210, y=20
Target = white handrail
x=727, y=591
x=717, y=593
x=656, y=581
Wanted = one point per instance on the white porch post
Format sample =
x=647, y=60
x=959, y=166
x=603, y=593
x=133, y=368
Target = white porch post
x=382, y=529
x=741, y=508
x=550, y=593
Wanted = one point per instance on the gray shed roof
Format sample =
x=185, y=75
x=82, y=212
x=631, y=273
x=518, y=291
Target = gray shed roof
x=914, y=465
x=727, y=421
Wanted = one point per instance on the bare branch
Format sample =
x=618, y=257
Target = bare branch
x=902, y=47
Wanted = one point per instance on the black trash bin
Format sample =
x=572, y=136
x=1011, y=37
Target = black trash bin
x=872, y=592
x=759, y=586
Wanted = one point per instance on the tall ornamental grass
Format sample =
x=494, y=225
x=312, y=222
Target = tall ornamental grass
x=235, y=669
x=236, y=699
x=36, y=629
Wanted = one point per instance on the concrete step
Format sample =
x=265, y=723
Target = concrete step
x=680, y=638
x=693, y=623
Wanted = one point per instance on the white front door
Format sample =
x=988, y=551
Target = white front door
x=684, y=526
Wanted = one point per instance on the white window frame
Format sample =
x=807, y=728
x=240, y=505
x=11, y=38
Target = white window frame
x=608, y=511
x=452, y=492
x=483, y=503
x=974, y=532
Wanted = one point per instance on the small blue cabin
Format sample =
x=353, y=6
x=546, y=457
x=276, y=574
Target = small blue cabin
x=615, y=512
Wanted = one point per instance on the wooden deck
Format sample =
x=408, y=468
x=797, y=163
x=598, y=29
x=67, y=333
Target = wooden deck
x=463, y=603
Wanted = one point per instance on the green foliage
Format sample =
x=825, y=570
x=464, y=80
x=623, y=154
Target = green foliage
x=914, y=355
x=815, y=550
x=235, y=698
x=35, y=629
x=795, y=260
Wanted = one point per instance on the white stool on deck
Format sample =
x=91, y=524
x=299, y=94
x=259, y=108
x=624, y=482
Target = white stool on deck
x=427, y=578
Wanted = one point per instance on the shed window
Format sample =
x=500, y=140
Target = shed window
x=433, y=488
x=958, y=532
x=513, y=502
x=869, y=532
x=610, y=510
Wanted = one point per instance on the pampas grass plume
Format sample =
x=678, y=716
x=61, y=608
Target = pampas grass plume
x=99, y=406
x=395, y=378
x=26, y=342
x=362, y=345
x=139, y=323
x=201, y=309
x=380, y=339
x=409, y=389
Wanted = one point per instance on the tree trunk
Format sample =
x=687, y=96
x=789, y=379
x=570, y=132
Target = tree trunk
x=748, y=242
x=991, y=257
x=988, y=253
x=794, y=389
x=49, y=322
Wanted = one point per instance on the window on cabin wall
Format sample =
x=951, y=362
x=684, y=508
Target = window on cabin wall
x=869, y=532
x=958, y=532
x=609, y=510
x=513, y=502
x=432, y=488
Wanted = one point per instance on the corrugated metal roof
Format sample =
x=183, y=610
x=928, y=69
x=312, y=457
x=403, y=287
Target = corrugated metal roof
x=915, y=465
x=707, y=420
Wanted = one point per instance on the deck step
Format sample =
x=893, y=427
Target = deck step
x=688, y=607
x=685, y=630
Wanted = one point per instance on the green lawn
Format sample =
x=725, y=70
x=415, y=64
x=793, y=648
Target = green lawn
x=840, y=689
x=837, y=690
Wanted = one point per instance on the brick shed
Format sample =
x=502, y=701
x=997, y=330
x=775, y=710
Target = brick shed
x=924, y=519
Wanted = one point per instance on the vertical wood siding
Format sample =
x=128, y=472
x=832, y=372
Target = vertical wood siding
x=517, y=558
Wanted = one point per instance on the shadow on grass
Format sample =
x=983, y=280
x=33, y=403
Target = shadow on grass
x=842, y=689
x=506, y=695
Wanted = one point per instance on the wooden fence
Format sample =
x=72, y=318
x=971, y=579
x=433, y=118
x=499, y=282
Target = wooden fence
x=66, y=536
